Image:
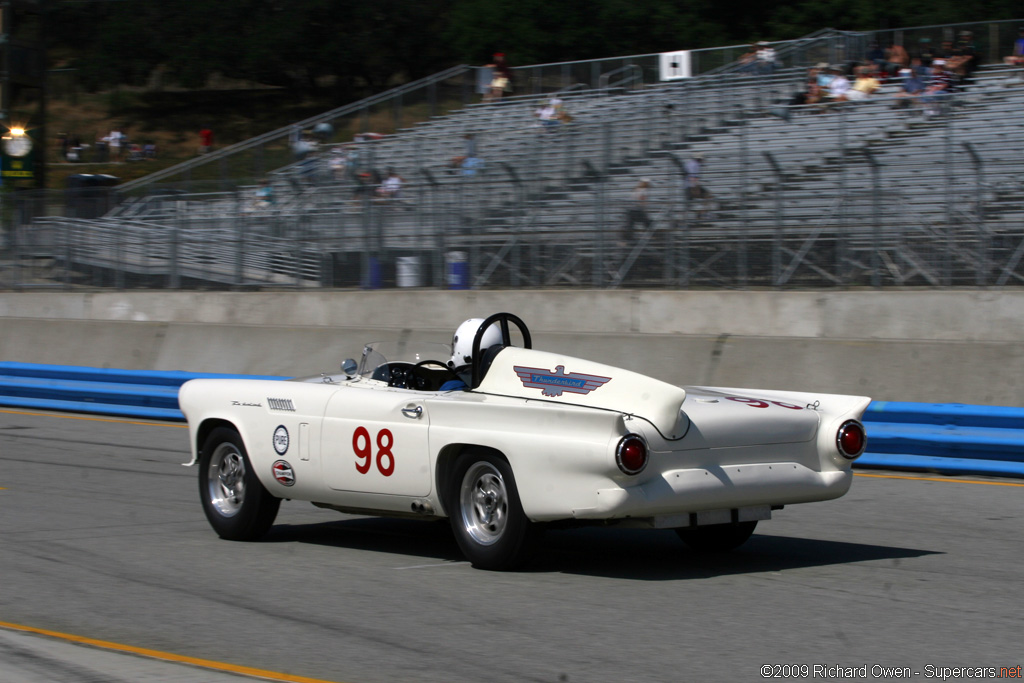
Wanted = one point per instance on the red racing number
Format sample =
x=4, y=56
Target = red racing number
x=361, y=445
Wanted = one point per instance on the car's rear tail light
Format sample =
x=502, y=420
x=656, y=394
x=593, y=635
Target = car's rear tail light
x=631, y=454
x=851, y=439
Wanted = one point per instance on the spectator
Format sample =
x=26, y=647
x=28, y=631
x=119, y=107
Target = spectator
x=303, y=146
x=865, y=85
x=696, y=193
x=964, y=61
x=838, y=85
x=205, y=141
x=935, y=95
x=547, y=114
x=115, y=141
x=765, y=58
x=923, y=72
x=338, y=163
x=925, y=52
x=692, y=168
x=876, y=55
x=825, y=76
x=74, y=149
x=364, y=186
x=896, y=58
x=748, y=60
x=637, y=211
x=323, y=132
x=814, y=89
x=265, y=195
x=391, y=186
x=945, y=51
x=911, y=87
x=1016, y=58
x=469, y=162
x=501, y=81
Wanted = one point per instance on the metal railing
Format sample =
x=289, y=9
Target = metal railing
x=257, y=155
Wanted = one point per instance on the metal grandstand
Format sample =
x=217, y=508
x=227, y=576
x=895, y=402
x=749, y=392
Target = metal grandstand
x=867, y=193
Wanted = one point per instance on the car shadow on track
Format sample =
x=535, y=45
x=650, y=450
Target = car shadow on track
x=659, y=555
x=637, y=554
x=414, y=538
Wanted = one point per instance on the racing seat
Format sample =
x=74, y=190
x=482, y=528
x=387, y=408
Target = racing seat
x=487, y=358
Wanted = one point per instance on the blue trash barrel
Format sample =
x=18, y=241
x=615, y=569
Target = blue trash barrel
x=458, y=270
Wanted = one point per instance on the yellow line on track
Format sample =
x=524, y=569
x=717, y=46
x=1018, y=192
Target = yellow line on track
x=944, y=481
x=95, y=419
x=165, y=656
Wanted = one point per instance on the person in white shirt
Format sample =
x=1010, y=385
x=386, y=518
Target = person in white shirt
x=391, y=187
x=838, y=87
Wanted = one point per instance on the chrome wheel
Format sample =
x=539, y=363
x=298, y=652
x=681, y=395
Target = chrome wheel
x=236, y=504
x=226, y=480
x=483, y=503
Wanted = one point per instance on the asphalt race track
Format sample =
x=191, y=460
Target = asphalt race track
x=103, y=539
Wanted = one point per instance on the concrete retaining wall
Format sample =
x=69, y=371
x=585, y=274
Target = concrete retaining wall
x=929, y=346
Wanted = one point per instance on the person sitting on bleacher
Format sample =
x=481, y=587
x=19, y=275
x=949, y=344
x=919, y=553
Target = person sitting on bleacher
x=896, y=58
x=838, y=85
x=765, y=58
x=939, y=89
x=865, y=85
x=1017, y=58
x=964, y=60
x=911, y=87
x=547, y=114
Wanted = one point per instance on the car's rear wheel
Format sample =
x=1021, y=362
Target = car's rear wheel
x=237, y=505
x=717, y=538
x=486, y=516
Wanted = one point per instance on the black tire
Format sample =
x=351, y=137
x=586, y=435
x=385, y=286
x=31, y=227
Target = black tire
x=486, y=516
x=717, y=538
x=234, y=500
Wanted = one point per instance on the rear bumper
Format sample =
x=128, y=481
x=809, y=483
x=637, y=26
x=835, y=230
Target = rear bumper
x=735, y=486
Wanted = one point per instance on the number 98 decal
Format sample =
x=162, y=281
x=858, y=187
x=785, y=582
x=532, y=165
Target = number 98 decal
x=362, y=446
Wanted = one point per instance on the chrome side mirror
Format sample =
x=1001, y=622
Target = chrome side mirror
x=349, y=367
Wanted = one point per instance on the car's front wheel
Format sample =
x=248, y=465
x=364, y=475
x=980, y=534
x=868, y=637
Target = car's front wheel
x=717, y=538
x=237, y=505
x=487, y=518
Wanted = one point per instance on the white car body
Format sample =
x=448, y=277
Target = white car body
x=714, y=455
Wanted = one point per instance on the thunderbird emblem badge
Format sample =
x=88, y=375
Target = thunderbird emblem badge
x=553, y=383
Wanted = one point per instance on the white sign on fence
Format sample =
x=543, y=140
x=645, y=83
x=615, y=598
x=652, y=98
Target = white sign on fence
x=674, y=65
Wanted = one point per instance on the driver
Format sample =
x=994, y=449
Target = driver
x=461, y=361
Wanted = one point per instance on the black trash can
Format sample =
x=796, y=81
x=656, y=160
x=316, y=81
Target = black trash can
x=90, y=195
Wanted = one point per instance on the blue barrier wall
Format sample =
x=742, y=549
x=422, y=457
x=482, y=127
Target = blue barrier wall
x=935, y=437
x=945, y=437
x=151, y=394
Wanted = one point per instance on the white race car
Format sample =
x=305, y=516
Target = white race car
x=531, y=438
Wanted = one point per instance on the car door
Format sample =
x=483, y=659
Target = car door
x=375, y=441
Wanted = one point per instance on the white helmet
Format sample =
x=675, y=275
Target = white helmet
x=462, y=342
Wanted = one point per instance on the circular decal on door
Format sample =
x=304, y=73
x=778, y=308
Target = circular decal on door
x=281, y=440
x=283, y=472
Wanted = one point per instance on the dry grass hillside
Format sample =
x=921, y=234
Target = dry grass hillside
x=169, y=119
